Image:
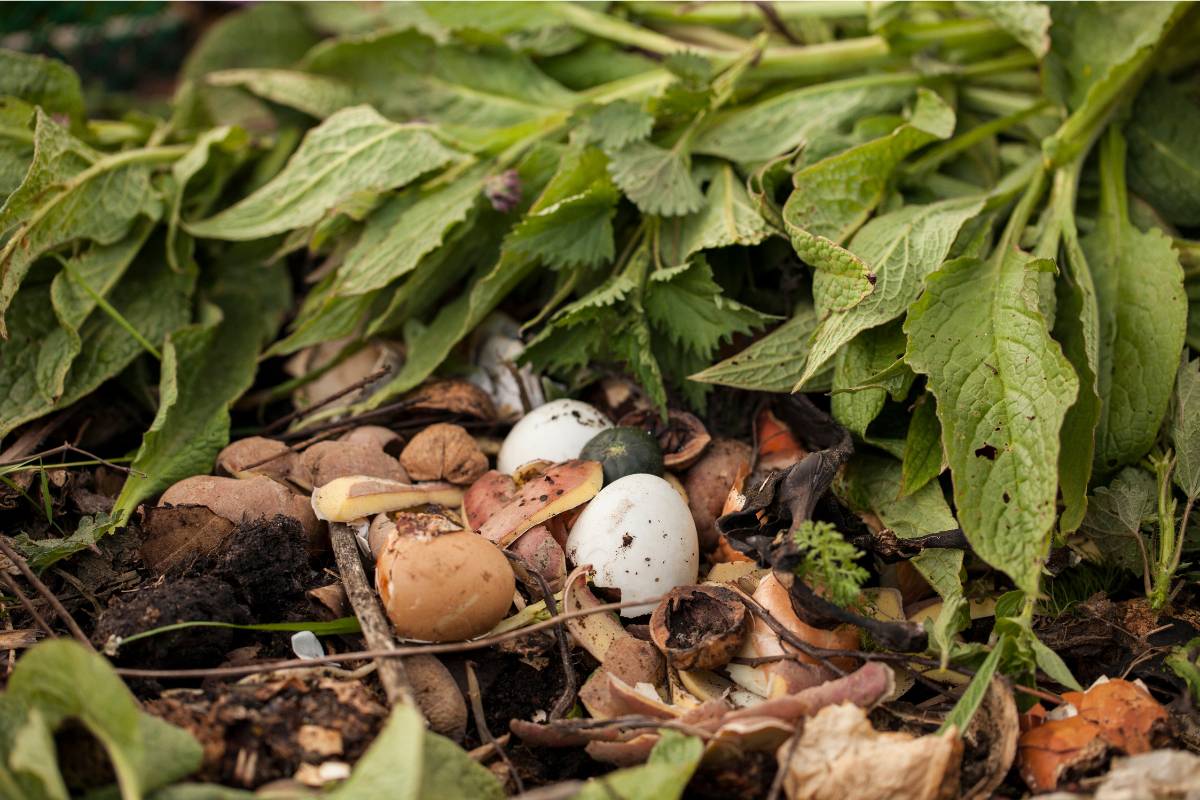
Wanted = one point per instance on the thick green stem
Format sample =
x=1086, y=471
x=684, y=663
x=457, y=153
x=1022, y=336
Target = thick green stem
x=1163, y=572
x=721, y=13
x=938, y=155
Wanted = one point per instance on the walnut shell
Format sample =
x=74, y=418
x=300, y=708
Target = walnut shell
x=444, y=452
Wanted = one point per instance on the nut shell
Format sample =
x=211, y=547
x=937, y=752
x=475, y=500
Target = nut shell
x=444, y=588
x=700, y=627
x=444, y=452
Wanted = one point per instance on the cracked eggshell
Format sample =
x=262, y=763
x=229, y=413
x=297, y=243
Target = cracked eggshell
x=639, y=537
x=556, y=431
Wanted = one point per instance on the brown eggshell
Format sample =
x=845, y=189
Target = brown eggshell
x=708, y=483
x=560, y=488
x=490, y=493
x=444, y=588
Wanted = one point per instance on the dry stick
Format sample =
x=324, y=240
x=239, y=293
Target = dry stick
x=476, y=698
x=393, y=652
x=376, y=629
x=47, y=595
x=299, y=412
x=11, y=585
x=777, y=781
x=485, y=751
x=570, y=683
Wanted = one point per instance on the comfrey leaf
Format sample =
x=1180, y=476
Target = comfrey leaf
x=315, y=95
x=1002, y=388
x=768, y=129
x=902, y=248
x=43, y=82
x=405, y=229
x=870, y=353
x=355, y=150
x=71, y=192
x=924, y=457
x=1185, y=428
x=206, y=367
x=1027, y=22
x=1164, y=165
x=1143, y=319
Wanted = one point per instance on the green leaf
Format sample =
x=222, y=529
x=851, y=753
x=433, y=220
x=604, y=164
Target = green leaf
x=871, y=483
x=405, y=762
x=406, y=229
x=449, y=773
x=686, y=305
x=406, y=75
x=216, y=151
x=1085, y=53
x=43, y=553
x=902, y=248
x=43, y=82
x=28, y=757
x=964, y=710
x=615, y=125
x=1116, y=515
x=60, y=349
x=1052, y=664
x=1164, y=167
x=571, y=222
x=767, y=129
x=775, y=363
x=1182, y=661
x=71, y=192
x=16, y=143
x=355, y=150
x=1185, y=428
x=1077, y=327
x=1002, y=388
x=315, y=95
x=924, y=457
x=62, y=679
x=663, y=777
x=871, y=352
x=829, y=561
x=206, y=367
x=658, y=181
x=833, y=197
x=268, y=35
x=1143, y=319
x=1027, y=22
x=729, y=217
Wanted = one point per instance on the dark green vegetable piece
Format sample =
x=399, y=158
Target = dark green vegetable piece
x=624, y=451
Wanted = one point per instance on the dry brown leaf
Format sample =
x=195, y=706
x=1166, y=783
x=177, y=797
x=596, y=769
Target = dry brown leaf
x=841, y=756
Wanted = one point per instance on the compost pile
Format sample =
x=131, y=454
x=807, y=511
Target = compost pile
x=646, y=400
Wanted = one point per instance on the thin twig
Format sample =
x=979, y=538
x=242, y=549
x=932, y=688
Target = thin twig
x=375, y=627
x=566, y=700
x=26, y=603
x=485, y=751
x=282, y=422
x=476, y=698
x=47, y=595
x=397, y=652
x=69, y=448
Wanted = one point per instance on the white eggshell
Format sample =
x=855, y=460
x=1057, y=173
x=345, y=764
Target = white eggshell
x=639, y=536
x=556, y=431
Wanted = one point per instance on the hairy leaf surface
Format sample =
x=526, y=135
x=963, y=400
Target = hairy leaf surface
x=1002, y=388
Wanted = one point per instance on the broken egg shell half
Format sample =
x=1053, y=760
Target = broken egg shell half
x=640, y=539
x=556, y=431
x=444, y=588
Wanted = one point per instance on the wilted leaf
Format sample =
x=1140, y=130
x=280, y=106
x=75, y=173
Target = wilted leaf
x=775, y=362
x=1116, y=514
